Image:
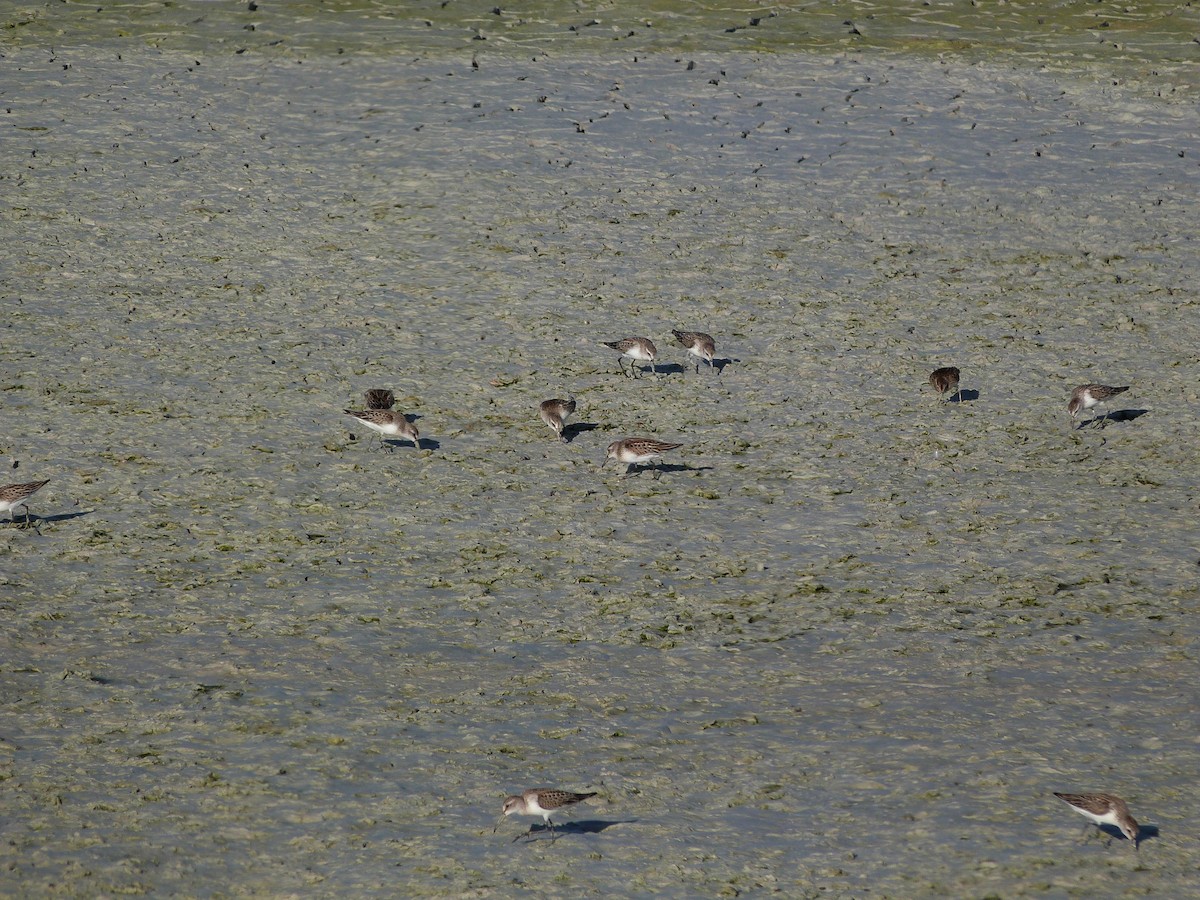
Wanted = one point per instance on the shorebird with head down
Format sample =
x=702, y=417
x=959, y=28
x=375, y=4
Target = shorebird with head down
x=542, y=802
x=634, y=348
x=638, y=451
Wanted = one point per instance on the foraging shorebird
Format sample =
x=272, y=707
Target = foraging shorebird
x=638, y=451
x=554, y=413
x=945, y=380
x=1104, y=809
x=635, y=348
x=1087, y=396
x=379, y=398
x=698, y=344
x=14, y=495
x=542, y=802
x=386, y=423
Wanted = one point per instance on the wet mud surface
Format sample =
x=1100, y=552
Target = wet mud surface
x=847, y=644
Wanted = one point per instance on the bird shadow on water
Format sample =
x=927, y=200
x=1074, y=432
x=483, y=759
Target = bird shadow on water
x=963, y=396
x=1125, y=415
x=63, y=517
x=663, y=469
x=577, y=428
x=35, y=521
x=1112, y=832
x=583, y=826
x=1117, y=415
x=421, y=444
x=668, y=369
x=680, y=369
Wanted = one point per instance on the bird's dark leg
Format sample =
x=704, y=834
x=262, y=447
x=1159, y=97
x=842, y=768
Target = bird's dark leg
x=28, y=523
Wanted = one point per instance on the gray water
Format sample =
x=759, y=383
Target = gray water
x=848, y=644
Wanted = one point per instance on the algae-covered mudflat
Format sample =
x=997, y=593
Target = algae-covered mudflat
x=848, y=643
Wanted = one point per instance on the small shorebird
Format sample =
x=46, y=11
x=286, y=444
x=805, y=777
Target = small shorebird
x=1104, y=809
x=636, y=451
x=1087, y=396
x=945, y=380
x=387, y=424
x=698, y=344
x=554, y=413
x=380, y=398
x=14, y=495
x=542, y=802
x=635, y=348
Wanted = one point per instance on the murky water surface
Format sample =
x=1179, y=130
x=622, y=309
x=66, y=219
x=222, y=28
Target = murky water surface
x=849, y=642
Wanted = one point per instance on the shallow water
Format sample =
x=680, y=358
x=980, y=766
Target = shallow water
x=849, y=643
